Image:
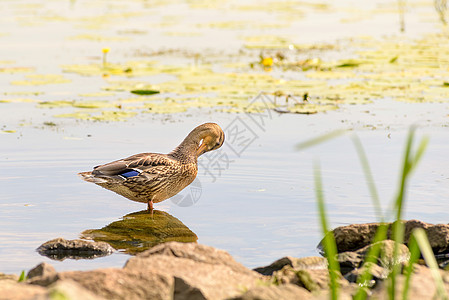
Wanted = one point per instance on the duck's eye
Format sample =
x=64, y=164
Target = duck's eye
x=217, y=144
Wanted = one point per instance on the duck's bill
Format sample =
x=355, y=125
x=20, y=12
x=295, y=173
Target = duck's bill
x=201, y=149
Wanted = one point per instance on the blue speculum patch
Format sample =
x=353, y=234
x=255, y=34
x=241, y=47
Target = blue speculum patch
x=131, y=173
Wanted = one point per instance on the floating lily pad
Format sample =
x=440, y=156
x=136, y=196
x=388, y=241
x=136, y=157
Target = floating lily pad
x=54, y=104
x=102, y=116
x=7, y=131
x=92, y=104
x=16, y=100
x=14, y=70
x=145, y=92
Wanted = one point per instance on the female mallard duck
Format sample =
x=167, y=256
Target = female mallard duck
x=154, y=177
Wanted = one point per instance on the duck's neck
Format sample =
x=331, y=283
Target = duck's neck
x=187, y=150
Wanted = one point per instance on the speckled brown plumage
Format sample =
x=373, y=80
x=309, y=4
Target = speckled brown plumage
x=154, y=177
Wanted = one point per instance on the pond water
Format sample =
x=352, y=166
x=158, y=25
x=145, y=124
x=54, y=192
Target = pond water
x=255, y=198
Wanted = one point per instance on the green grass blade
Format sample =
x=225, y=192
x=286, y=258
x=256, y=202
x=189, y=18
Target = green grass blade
x=420, y=151
x=371, y=257
x=369, y=177
x=330, y=247
x=411, y=159
x=429, y=257
x=414, y=255
x=22, y=277
x=398, y=227
x=321, y=139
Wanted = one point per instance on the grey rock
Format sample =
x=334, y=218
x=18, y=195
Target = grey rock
x=60, y=249
x=311, y=262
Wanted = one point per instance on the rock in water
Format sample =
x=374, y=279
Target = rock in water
x=356, y=236
x=60, y=249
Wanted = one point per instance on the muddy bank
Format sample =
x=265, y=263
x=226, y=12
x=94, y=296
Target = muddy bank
x=176, y=270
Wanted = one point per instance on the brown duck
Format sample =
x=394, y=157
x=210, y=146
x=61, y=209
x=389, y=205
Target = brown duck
x=154, y=177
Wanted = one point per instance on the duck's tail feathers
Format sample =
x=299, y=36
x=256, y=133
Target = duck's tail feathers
x=88, y=176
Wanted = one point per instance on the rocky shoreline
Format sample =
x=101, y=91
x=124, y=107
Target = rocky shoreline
x=175, y=270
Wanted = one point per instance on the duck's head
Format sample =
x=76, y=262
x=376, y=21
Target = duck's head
x=210, y=137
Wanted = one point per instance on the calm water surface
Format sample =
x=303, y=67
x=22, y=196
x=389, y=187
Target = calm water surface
x=259, y=208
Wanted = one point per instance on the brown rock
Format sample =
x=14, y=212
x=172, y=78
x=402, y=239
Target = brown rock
x=123, y=284
x=311, y=262
x=275, y=292
x=9, y=277
x=13, y=290
x=386, y=257
x=42, y=269
x=68, y=289
x=377, y=272
x=422, y=285
x=183, y=290
x=200, y=271
x=60, y=249
x=353, y=237
x=197, y=253
x=344, y=293
x=43, y=274
x=352, y=260
x=179, y=270
x=349, y=261
x=356, y=236
x=311, y=280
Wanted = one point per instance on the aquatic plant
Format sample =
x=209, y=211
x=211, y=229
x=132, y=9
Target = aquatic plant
x=418, y=243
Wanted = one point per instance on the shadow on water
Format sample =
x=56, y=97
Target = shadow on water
x=132, y=234
x=139, y=231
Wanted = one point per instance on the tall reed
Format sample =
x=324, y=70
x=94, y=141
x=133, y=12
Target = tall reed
x=418, y=241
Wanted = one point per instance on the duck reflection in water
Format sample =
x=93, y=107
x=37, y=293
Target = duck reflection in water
x=155, y=177
x=139, y=231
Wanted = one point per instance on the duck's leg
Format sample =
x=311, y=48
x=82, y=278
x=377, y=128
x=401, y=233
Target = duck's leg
x=150, y=205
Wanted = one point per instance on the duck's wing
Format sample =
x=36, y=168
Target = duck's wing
x=134, y=165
